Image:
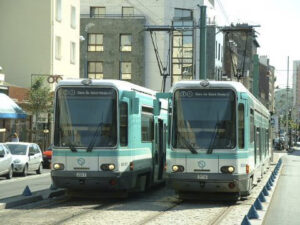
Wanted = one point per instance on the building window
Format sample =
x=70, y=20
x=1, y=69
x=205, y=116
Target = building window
x=219, y=51
x=125, y=71
x=97, y=11
x=95, y=70
x=123, y=123
x=182, y=51
x=72, y=52
x=125, y=42
x=182, y=55
x=127, y=11
x=58, y=10
x=241, y=127
x=147, y=128
x=183, y=14
x=95, y=43
x=216, y=50
x=73, y=17
x=58, y=47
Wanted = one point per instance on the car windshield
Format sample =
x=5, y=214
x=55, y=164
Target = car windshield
x=206, y=118
x=17, y=149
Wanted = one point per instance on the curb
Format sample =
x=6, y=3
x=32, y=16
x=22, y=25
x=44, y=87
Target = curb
x=15, y=201
x=259, y=207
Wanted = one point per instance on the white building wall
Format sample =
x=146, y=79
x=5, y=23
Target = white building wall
x=68, y=34
x=27, y=38
x=24, y=40
x=158, y=13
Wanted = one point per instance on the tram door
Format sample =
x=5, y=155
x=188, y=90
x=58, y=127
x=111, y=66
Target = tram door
x=257, y=146
x=161, y=148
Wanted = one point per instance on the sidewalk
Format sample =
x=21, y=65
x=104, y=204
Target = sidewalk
x=284, y=207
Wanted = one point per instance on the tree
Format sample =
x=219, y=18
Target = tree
x=40, y=99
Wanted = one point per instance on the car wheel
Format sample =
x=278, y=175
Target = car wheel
x=25, y=170
x=40, y=169
x=10, y=173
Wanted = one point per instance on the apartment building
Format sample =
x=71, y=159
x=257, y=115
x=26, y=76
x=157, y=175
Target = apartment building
x=144, y=34
x=39, y=38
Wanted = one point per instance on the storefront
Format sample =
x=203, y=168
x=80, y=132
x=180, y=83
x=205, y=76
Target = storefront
x=12, y=119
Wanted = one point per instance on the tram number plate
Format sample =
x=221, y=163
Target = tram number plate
x=80, y=174
x=202, y=177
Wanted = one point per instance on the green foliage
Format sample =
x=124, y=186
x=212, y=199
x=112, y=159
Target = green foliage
x=40, y=98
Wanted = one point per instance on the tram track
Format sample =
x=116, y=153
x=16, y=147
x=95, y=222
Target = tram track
x=74, y=216
x=220, y=216
x=151, y=218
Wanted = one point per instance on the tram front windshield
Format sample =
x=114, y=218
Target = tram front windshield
x=204, y=119
x=86, y=116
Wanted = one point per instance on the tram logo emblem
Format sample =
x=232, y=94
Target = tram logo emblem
x=81, y=161
x=201, y=164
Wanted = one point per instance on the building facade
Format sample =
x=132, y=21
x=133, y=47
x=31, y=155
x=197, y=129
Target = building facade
x=151, y=33
x=240, y=48
x=296, y=92
x=39, y=38
x=266, y=83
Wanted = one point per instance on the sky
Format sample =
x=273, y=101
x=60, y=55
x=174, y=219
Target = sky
x=279, y=31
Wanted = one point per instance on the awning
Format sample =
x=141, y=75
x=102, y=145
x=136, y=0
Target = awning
x=9, y=109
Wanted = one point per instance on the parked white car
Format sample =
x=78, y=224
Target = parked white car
x=6, y=165
x=296, y=147
x=26, y=157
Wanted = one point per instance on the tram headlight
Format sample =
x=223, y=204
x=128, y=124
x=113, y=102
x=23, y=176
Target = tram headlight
x=177, y=168
x=230, y=169
x=111, y=166
x=227, y=169
x=58, y=166
x=108, y=167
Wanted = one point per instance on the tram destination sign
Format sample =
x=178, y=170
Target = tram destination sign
x=215, y=93
x=108, y=92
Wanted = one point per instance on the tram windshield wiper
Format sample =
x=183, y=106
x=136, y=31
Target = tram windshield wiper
x=212, y=141
x=72, y=147
x=94, y=138
x=187, y=144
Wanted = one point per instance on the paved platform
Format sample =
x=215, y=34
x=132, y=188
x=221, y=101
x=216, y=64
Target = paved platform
x=285, y=203
x=15, y=201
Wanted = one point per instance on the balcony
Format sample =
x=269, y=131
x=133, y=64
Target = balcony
x=111, y=16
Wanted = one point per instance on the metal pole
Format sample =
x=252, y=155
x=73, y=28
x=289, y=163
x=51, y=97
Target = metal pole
x=86, y=61
x=287, y=97
x=202, y=22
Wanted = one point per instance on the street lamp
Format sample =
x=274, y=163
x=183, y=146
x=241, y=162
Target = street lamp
x=82, y=39
x=45, y=131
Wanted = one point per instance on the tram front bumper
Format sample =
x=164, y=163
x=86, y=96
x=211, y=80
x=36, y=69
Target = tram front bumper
x=90, y=180
x=208, y=182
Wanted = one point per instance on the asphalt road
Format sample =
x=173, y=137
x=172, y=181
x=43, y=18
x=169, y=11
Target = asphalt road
x=17, y=184
x=284, y=207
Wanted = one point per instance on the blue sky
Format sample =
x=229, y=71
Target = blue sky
x=279, y=34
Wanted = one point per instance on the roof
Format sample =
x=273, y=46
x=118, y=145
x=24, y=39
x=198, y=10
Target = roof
x=9, y=109
x=119, y=84
x=216, y=84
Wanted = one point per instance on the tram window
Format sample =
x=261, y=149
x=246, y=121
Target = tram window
x=169, y=125
x=241, y=123
x=251, y=126
x=123, y=124
x=147, y=128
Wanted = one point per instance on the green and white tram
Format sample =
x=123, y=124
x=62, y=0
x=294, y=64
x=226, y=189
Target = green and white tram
x=109, y=135
x=219, y=138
